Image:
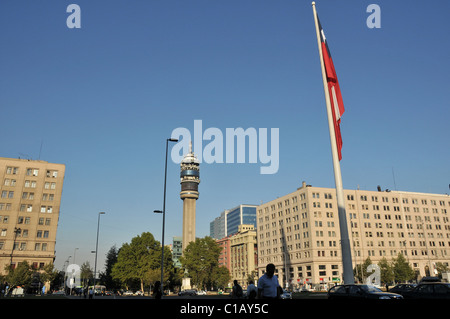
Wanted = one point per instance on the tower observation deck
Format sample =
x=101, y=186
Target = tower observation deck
x=189, y=180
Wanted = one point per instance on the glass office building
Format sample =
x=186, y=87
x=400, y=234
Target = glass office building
x=228, y=222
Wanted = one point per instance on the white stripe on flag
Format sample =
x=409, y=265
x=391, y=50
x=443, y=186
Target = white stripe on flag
x=335, y=104
x=323, y=35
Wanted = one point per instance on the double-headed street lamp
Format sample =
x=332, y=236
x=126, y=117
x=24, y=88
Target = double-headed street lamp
x=96, y=250
x=163, y=212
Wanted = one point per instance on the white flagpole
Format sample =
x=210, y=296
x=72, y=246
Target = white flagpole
x=345, y=242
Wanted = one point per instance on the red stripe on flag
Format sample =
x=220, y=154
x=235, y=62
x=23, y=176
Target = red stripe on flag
x=337, y=104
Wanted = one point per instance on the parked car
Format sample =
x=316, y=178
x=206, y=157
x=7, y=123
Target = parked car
x=128, y=293
x=430, y=279
x=429, y=290
x=356, y=291
x=188, y=292
x=400, y=288
x=201, y=293
x=286, y=295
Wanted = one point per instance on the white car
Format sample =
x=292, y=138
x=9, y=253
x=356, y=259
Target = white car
x=201, y=293
x=17, y=292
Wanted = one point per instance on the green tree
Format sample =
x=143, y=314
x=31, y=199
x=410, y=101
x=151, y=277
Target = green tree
x=221, y=277
x=106, y=277
x=386, y=271
x=86, y=273
x=19, y=276
x=153, y=275
x=123, y=269
x=201, y=260
x=49, y=274
x=441, y=268
x=402, y=270
x=176, y=277
x=360, y=271
x=136, y=259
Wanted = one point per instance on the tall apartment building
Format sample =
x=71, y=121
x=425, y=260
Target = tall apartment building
x=30, y=198
x=299, y=232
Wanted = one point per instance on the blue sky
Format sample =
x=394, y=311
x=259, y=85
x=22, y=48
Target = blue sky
x=102, y=99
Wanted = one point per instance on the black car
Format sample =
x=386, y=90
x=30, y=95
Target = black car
x=429, y=290
x=430, y=279
x=188, y=292
x=360, y=292
x=401, y=288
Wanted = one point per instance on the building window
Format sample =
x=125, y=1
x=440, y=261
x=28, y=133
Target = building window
x=12, y=170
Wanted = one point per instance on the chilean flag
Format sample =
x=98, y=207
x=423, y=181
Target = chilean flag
x=337, y=105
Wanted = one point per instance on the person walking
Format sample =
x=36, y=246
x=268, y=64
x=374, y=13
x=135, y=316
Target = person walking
x=252, y=291
x=268, y=286
x=237, y=292
x=157, y=293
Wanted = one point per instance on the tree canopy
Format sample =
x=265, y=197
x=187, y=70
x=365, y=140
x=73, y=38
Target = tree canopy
x=201, y=260
x=398, y=270
x=138, y=259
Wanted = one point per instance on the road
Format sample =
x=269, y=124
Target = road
x=209, y=296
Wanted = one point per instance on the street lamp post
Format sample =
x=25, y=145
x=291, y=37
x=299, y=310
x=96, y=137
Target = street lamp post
x=96, y=250
x=16, y=232
x=74, y=251
x=164, y=215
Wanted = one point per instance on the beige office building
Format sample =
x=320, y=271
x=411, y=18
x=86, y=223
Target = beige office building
x=244, y=254
x=30, y=197
x=299, y=232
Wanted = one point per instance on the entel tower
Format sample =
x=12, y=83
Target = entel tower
x=190, y=178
